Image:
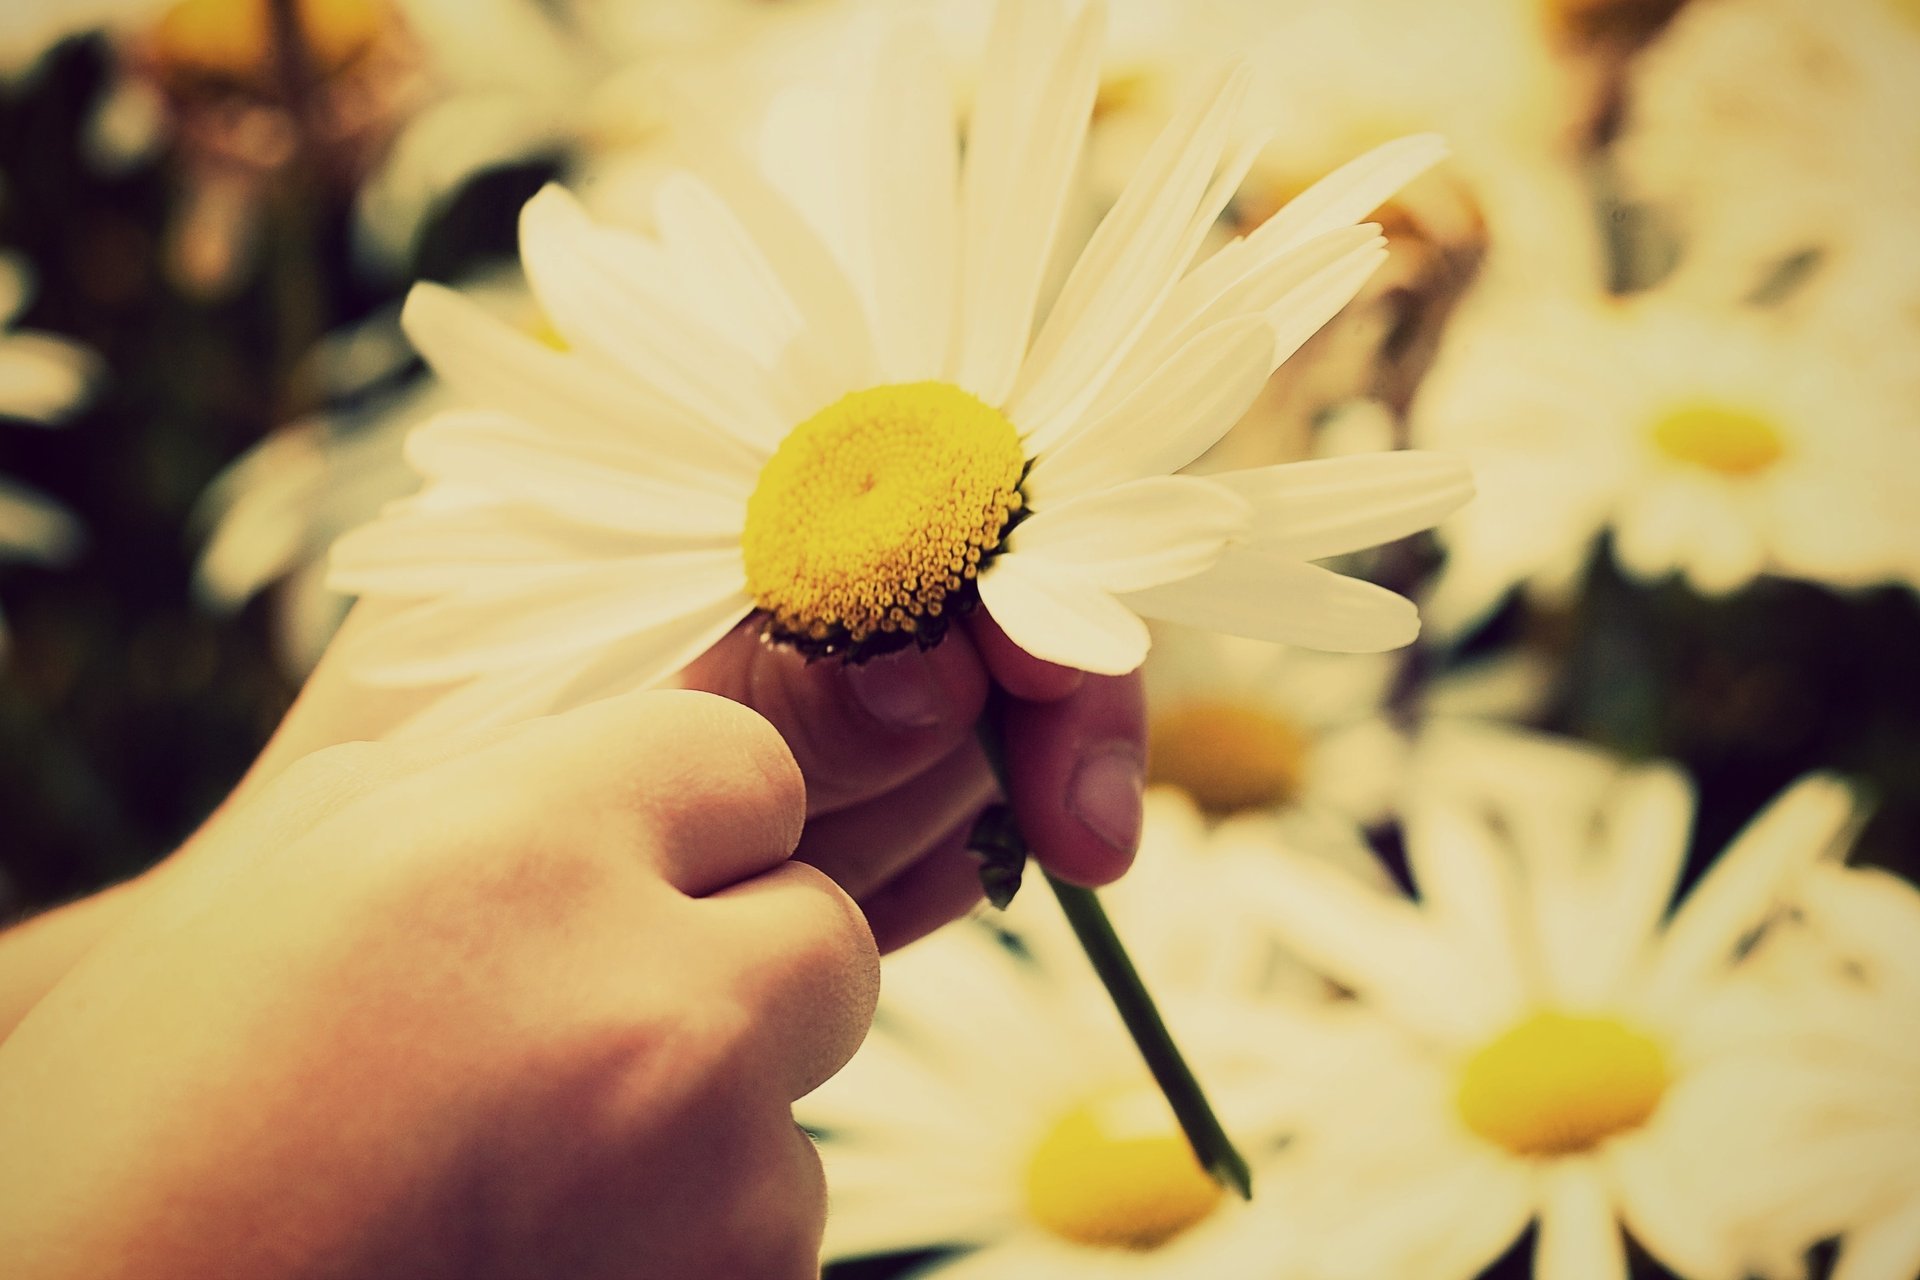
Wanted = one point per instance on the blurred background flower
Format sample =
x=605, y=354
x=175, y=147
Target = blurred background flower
x=1664, y=297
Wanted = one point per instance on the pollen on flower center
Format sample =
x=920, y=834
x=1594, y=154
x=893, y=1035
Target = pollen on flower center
x=1228, y=758
x=1732, y=442
x=1557, y=1083
x=875, y=514
x=1115, y=1173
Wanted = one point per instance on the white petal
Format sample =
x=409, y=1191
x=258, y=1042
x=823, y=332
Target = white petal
x=1350, y=192
x=43, y=377
x=839, y=349
x=16, y=287
x=576, y=479
x=1266, y=597
x=1130, y=265
x=1135, y=535
x=420, y=551
x=1887, y=1248
x=1332, y=506
x=494, y=366
x=1376, y=944
x=1642, y=848
x=1056, y=615
x=1579, y=1237
x=1303, y=312
x=601, y=289
x=458, y=636
x=914, y=224
x=34, y=527
x=1747, y=884
x=1209, y=294
x=1466, y=884
x=542, y=688
x=1177, y=413
x=1038, y=82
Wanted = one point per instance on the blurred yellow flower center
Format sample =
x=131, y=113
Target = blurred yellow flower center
x=875, y=512
x=1228, y=758
x=1115, y=1173
x=235, y=37
x=1733, y=442
x=1560, y=1083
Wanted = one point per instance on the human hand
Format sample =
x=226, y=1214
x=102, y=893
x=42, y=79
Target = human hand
x=535, y=1005
x=894, y=775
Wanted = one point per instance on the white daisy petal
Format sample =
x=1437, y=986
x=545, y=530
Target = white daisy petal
x=1209, y=295
x=1056, y=615
x=488, y=362
x=1139, y=250
x=1135, y=535
x=1466, y=886
x=1022, y=147
x=43, y=377
x=1379, y=946
x=34, y=527
x=1747, y=884
x=1579, y=1237
x=418, y=552
x=1887, y=1248
x=1350, y=192
x=1643, y=847
x=1332, y=506
x=1265, y=597
x=914, y=220
x=457, y=636
x=1305, y=311
x=573, y=478
x=1177, y=413
x=521, y=693
x=599, y=294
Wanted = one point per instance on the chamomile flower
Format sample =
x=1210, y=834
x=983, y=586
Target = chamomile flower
x=1709, y=441
x=1767, y=131
x=1241, y=726
x=1846, y=1076
x=1553, y=1035
x=996, y=1107
x=816, y=394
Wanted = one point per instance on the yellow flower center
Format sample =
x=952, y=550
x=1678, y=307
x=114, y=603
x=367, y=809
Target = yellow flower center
x=1115, y=1173
x=234, y=38
x=1228, y=758
x=1559, y=1083
x=1732, y=442
x=875, y=513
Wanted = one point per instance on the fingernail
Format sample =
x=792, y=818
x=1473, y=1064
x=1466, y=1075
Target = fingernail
x=899, y=690
x=1107, y=794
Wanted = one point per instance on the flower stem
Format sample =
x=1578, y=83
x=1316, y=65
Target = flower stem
x=1003, y=850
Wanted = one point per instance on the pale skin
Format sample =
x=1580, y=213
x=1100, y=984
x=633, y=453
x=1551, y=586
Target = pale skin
x=530, y=1002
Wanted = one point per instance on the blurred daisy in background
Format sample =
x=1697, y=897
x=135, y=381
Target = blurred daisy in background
x=1842, y=1087
x=1241, y=726
x=1779, y=135
x=1708, y=442
x=1081, y=1170
x=625, y=503
x=1548, y=1027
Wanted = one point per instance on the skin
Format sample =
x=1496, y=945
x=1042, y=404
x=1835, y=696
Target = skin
x=528, y=1002
x=890, y=798
x=532, y=1006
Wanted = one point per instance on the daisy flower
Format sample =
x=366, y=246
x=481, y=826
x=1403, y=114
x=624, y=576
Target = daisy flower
x=1846, y=1077
x=1771, y=130
x=816, y=393
x=1710, y=442
x=1552, y=1035
x=996, y=1108
x=1241, y=726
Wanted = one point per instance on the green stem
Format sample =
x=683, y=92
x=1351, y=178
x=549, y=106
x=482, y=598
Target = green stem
x=1003, y=849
